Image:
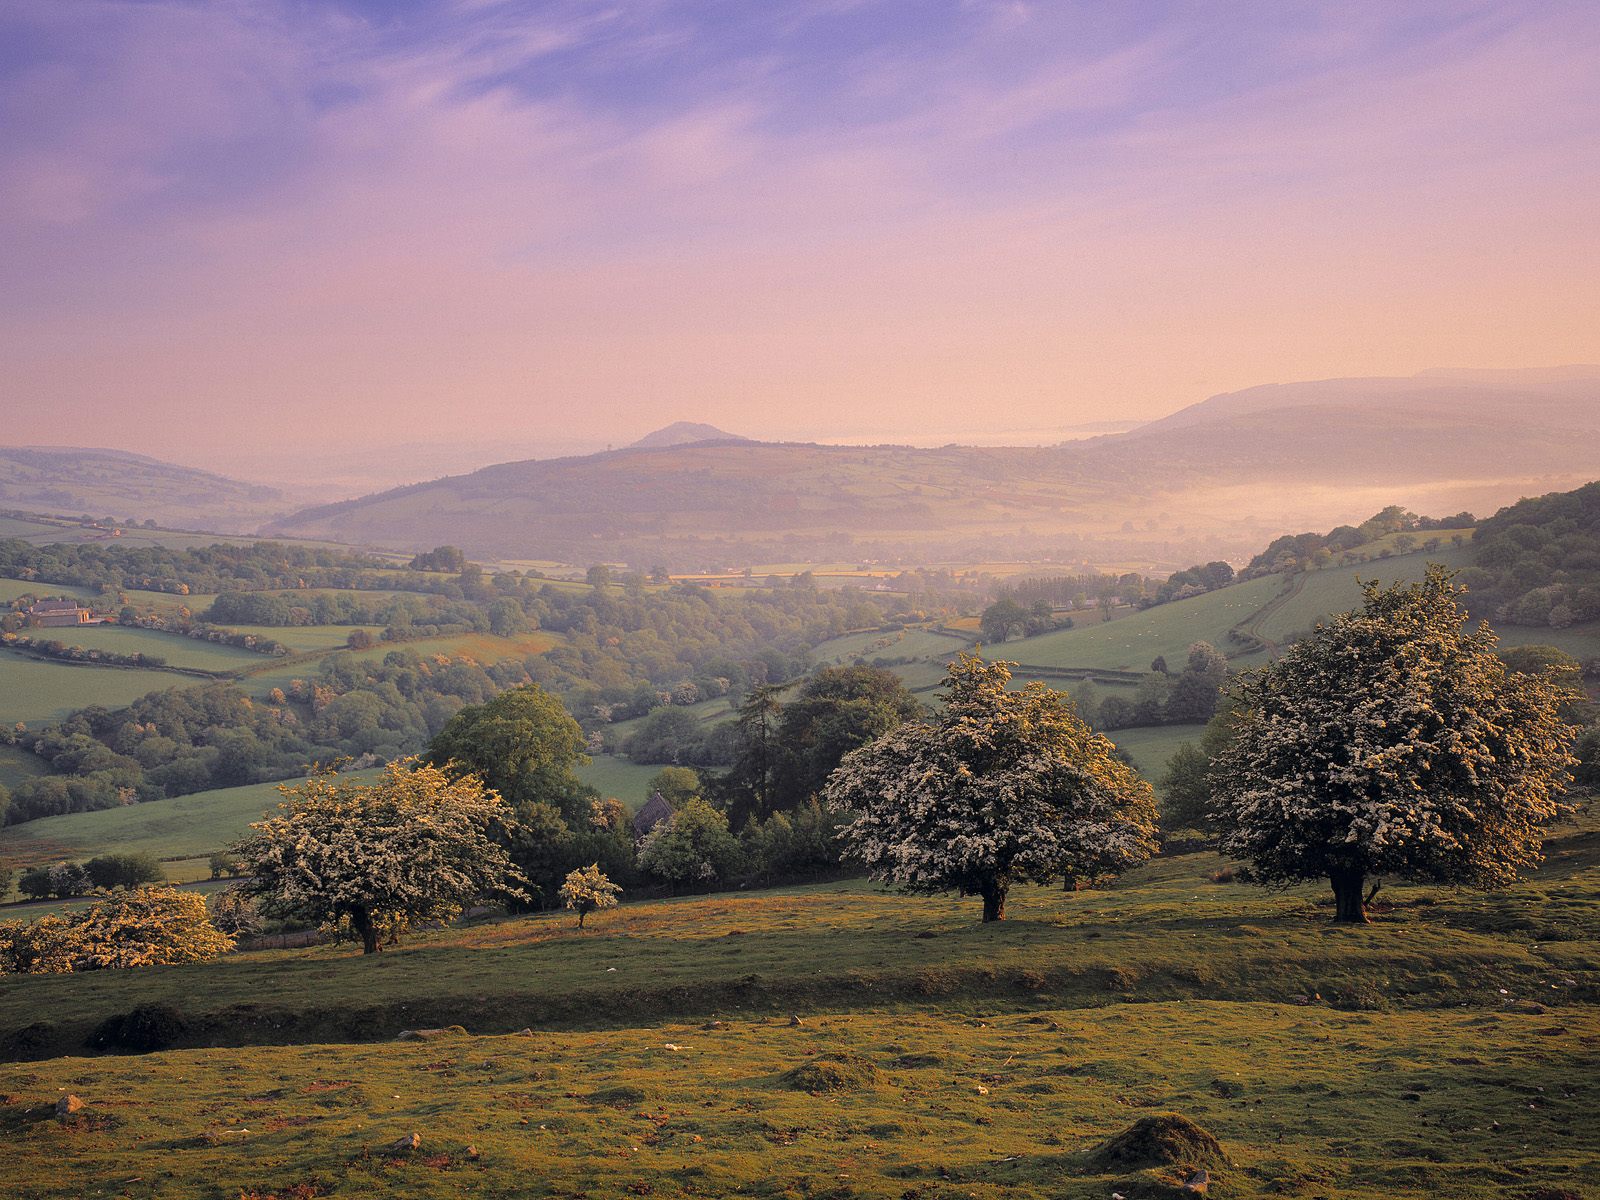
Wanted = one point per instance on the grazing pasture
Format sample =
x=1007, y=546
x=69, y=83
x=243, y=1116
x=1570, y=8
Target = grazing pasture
x=1130, y=644
x=15, y=589
x=306, y=639
x=185, y=827
x=613, y=776
x=897, y=643
x=1151, y=747
x=177, y=650
x=17, y=764
x=1450, y=1048
x=1316, y=595
x=36, y=691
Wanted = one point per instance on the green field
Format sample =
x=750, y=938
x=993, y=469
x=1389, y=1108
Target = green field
x=185, y=827
x=902, y=643
x=1131, y=643
x=307, y=638
x=1317, y=594
x=15, y=589
x=36, y=692
x=1150, y=748
x=617, y=777
x=17, y=764
x=1404, y=1059
x=179, y=651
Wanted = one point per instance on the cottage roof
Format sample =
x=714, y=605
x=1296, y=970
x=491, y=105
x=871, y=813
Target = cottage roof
x=655, y=810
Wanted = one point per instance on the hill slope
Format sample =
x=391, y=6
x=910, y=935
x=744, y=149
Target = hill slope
x=1307, y=454
x=76, y=480
x=684, y=433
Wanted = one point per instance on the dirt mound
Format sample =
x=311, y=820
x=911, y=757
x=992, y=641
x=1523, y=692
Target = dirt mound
x=1161, y=1140
x=845, y=1073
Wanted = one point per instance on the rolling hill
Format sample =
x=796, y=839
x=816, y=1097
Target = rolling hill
x=1285, y=455
x=684, y=433
x=114, y=483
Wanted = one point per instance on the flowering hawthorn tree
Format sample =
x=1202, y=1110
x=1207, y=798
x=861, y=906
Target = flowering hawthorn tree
x=588, y=889
x=1392, y=741
x=415, y=845
x=1001, y=787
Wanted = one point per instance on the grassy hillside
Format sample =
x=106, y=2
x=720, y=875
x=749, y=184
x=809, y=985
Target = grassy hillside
x=1318, y=594
x=186, y=830
x=17, y=764
x=619, y=778
x=14, y=589
x=1151, y=748
x=36, y=691
x=179, y=651
x=183, y=828
x=1402, y=1059
x=899, y=643
x=1132, y=642
x=113, y=483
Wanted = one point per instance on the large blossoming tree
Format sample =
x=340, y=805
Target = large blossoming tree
x=1001, y=787
x=1391, y=742
x=415, y=845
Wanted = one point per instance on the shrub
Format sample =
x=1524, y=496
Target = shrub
x=145, y=1029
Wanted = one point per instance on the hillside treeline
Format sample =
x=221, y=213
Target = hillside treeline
x=624, y=654
x=1306, y=551
x=1537, y=562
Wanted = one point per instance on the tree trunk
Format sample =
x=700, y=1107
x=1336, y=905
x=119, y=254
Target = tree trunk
x=361, y=922
x=1070, y=884
x=1348, y=908
x=994, y=900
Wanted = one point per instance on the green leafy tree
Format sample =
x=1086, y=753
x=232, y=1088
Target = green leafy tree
x=691, y=848
x=676, y=785
x=522, y=744
x=1392, y=742
x=370, y=858
x=1001, y=619
x=124, y=870
x=1002, y=787
x=834, y=711
x=586, y=890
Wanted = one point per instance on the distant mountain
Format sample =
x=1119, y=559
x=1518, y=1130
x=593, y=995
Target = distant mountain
x=114, y=483
x=1202, y=483
x=684, y=433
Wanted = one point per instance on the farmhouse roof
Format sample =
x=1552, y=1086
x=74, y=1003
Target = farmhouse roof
x=44, y=606
x=655, y=810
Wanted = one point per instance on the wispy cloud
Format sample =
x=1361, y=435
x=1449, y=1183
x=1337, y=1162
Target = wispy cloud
x=787, y=217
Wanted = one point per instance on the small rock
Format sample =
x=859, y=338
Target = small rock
x=671, y=1046
x=1532, y=1007
x=68, y=1105
x=715, y=1025
x=1198, y=1184
x=795, y=1020
x=428, y=1035
x=982, y=1091
x=406, y=1144
x=472, y=1152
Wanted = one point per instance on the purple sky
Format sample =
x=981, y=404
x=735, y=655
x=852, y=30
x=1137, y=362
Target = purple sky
x=255, y=226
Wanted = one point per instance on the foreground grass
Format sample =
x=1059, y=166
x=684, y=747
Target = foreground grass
x=1306, y=1101
x=1167, y=933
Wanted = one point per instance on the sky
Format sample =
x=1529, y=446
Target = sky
x=248, y=232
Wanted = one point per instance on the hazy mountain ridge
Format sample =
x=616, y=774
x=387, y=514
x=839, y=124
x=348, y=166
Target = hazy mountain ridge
x=684, y=433
x=119, y=484
x=1487, y=443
